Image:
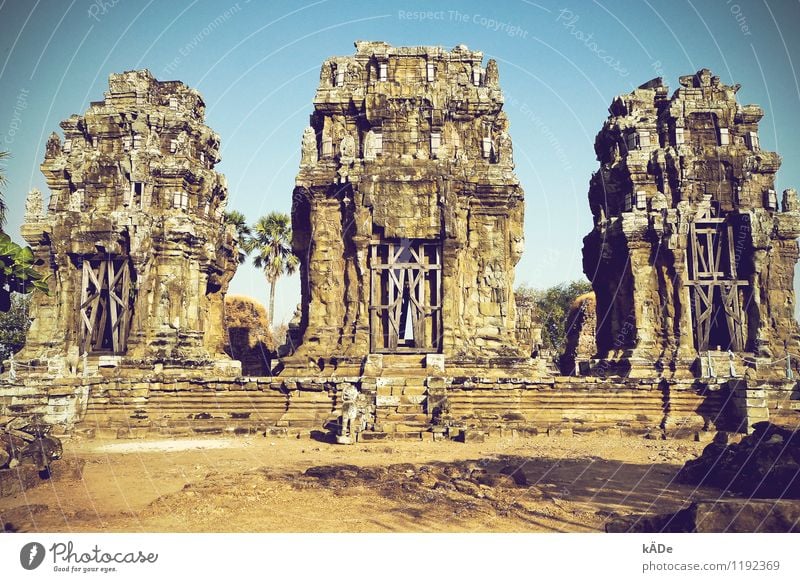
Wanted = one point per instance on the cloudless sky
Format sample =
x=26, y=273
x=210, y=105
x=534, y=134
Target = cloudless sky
x=257, y=63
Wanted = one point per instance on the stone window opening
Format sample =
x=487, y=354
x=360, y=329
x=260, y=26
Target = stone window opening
x=338, y=77
x=752, y=141
x=436, y=143
x=173, y=146
x=430, y=72
x=136, y=194
x=106, y=303
x=477, y=76
x=180, y=200
x=67, y=147
x=641, y=200
x=771, y=199
x=724, y=136
x=627, y=204
x=637, y=139
x=679, y=136
x=486, y=148
x=405, y=304
x=383, y=72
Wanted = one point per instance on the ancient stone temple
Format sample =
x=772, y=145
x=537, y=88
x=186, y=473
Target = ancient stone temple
x=693, y=252
x=407, y=215
x=407, y=219
x=133, y=236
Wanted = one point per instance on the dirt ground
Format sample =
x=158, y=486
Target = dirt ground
x=257, y=484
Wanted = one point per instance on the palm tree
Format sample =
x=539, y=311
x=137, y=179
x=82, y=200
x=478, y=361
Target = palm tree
x=239, y=222
x=271, y=240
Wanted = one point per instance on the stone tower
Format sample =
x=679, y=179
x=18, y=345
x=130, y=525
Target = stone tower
x=133, y=238
x=407, y=214
x=692, y=254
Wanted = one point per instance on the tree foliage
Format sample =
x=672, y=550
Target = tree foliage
x=239, y=222
x=271, y=241
x=17, y=273
x=14, y=324
x=551, y=309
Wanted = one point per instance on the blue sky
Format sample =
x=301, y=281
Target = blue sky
x=257, y=65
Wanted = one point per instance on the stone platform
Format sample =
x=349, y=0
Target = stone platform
x=404, y=407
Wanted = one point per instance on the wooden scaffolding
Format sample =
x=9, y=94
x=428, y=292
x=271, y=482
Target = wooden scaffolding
x=106, y=304
x=715, y=285
x=406, y=289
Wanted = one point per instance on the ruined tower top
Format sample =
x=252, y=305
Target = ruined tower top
x=442, y=88
x=418, y=72
x=702, y=130
x=147, y=128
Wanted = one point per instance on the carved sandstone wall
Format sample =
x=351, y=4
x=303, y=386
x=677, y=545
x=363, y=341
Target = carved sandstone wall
x=407, y=215
x=691, y=251
x=133, y=237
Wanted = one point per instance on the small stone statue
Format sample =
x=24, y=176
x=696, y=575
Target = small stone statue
x=326, y=73
x=34, y=206
x=309, y=147
x=711, y=372
x=351, y=416
x=790, y=203
x=492, y=78
x=73, y=355
x=354, y=73
x=517, y=248
x=12, y=368
x=347, y=148
x=53, y=148
x=76, y=201
x=658, y=202
x=370, y=145
x=506, y=151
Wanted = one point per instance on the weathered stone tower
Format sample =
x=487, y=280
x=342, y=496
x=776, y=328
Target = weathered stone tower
x=133, y=238
x=407, y=215
x=692, y=255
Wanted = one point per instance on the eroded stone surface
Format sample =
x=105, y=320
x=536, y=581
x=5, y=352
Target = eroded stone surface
x=407, y=153
x=133, y=189
x=580, y=327
x=669, y=168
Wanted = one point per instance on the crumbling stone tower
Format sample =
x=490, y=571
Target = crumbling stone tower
x=407, y=215
x=133, y=238
x=691, y=255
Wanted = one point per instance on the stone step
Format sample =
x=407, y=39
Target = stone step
x=410, y=409
x=412, y=435
x=420, y=418
x=413, y=400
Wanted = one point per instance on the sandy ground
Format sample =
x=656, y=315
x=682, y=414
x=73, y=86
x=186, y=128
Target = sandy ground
x=258, y=484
